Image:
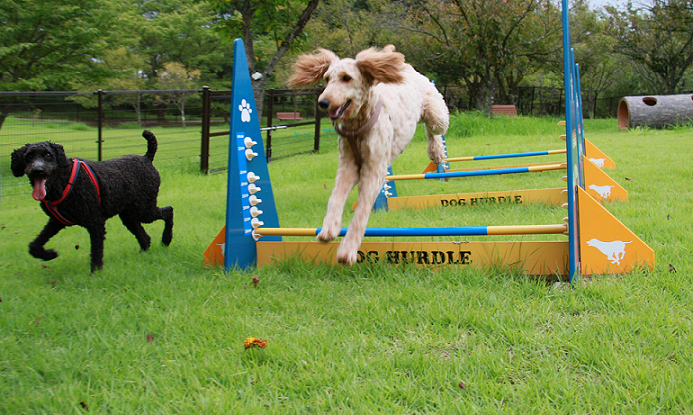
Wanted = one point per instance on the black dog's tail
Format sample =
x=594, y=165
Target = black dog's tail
x=151, y=144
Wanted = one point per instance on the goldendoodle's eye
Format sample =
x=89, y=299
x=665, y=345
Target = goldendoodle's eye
x=327, y=79
x=346, y=78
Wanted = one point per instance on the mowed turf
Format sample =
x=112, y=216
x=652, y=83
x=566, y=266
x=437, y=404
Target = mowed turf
x=158, y=333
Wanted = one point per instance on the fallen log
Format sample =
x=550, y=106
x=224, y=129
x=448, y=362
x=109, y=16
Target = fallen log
x=655, y=111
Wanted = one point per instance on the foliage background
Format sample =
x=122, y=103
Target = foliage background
x=486, y=47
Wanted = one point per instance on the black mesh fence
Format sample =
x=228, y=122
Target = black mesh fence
x=537, y=101
x=191, y=126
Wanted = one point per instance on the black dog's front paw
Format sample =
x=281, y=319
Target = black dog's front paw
x=44, y=254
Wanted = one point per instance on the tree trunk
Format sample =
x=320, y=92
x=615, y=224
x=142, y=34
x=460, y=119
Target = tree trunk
x=484, y=94
x=161, y=113
x=259, y=86
x=655, y=111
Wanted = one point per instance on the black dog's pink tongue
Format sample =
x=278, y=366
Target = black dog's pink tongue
x=39, y=192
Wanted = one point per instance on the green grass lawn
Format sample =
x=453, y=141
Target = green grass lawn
x=158, y=333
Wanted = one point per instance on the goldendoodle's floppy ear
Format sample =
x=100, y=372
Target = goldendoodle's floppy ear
x=18, y=165
x=60, y=156
x=381, y=66
x=310, y=68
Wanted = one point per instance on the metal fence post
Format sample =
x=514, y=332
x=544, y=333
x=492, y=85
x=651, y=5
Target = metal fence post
x=206, y=120
x=316, y=143
x=270, y=110
x=99, y=141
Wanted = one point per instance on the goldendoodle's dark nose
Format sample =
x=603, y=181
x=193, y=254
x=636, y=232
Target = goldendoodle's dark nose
x=324, y=103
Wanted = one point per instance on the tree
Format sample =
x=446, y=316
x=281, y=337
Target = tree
x=593, y=38
x=484, y=44
x=163, y=31
x=279, y=19
x=46, y=44
x=176, y=77
x=658, y=39
x=124, y=67
x=347, y=27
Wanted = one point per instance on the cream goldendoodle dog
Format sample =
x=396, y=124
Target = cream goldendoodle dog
x=375, y=102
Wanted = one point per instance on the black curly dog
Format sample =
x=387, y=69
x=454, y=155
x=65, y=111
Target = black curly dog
x=73, y=191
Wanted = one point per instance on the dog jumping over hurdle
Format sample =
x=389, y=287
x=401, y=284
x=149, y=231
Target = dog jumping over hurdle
x=375, y=102
x=73, y=191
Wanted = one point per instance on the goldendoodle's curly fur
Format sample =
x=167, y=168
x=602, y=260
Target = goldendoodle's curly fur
x=375, y=102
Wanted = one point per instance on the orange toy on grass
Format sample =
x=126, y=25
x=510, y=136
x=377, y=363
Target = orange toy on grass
x=252, y=341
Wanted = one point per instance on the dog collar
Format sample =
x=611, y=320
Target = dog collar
x=52, y=206
x=352, y=135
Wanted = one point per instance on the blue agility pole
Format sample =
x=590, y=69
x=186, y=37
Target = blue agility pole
x=489, y=172
x=443, y=231
x=507, y=156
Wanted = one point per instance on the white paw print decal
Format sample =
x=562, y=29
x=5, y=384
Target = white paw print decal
x=245, y=110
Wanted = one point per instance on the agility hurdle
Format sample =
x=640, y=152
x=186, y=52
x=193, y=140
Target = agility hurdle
x=597, y=183
x=596, y=241
x=389, y=199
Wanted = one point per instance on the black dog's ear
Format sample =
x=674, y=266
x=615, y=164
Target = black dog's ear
x=18, y=164
x=60, y=156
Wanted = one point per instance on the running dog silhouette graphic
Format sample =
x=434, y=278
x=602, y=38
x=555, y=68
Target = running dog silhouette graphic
x=615, y=251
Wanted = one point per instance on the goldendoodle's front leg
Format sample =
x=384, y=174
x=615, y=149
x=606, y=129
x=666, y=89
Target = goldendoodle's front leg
x=36, y=246
x=371, y=183
x=435, y=150
x=347, y=177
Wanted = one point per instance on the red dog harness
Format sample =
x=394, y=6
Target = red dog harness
x=52, y=206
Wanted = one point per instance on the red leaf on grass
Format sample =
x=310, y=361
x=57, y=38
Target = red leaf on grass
x=84, y=405
x=256, y=280
x=150, y=338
